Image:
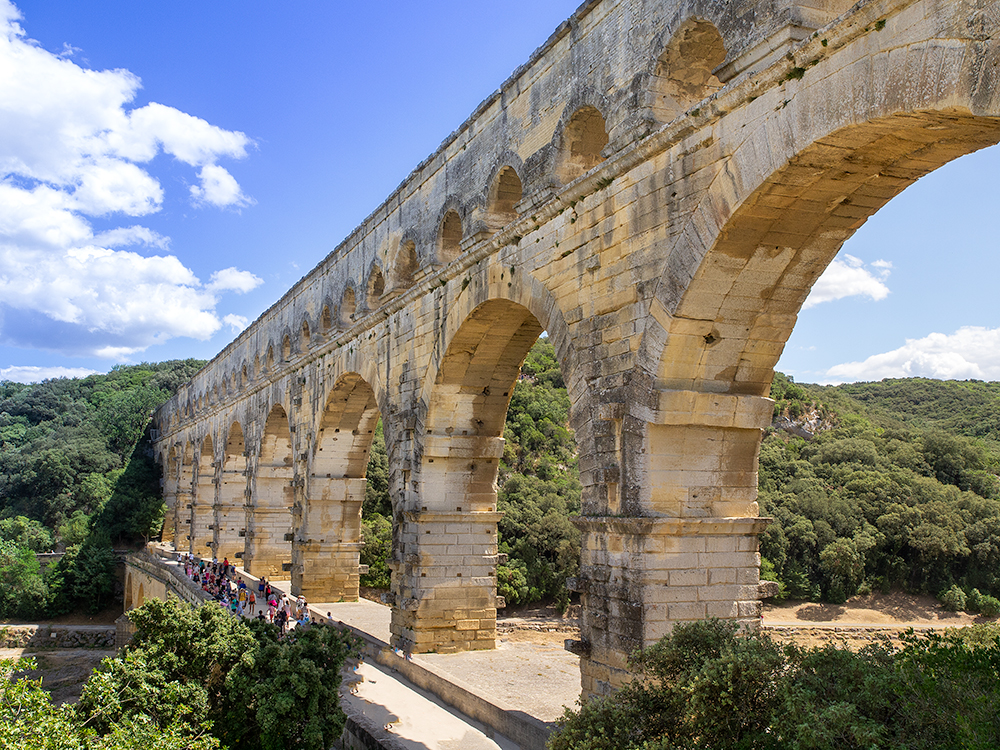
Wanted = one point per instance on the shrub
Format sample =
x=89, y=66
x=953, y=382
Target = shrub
x=989, y=606
x=953, y=600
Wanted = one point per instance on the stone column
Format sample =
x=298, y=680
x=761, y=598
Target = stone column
x=182, y=519
x=169, y=517
x=684, y=546
x=230, y=514
x=269, y=524
x=327, y=546
x=203, y=515
x=444, y=586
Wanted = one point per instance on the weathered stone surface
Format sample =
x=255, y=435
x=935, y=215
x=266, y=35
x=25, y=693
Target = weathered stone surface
x=658, y=188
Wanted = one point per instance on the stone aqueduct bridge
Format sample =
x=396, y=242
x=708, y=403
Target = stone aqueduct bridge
x=658, y=188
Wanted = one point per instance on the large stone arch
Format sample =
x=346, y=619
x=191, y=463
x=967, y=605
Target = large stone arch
x=230, y=511
x=791, y=189
x=328, y=538
x=445, y=581
x=269, y=517
x=203, y=499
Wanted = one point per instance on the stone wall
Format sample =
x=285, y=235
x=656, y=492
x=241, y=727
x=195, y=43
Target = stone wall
x=57, y=636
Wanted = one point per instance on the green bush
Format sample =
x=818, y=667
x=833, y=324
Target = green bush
x=705, y=686
x=953, y=600
x=376, y=532
x=989, y=606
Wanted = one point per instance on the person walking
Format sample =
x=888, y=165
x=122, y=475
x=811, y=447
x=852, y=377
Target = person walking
x=253, y=603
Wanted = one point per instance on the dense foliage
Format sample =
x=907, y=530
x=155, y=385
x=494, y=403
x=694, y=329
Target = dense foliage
x=873, y=501
x=704, y=686
x=76, y=471
x=539, y=484
x=193, y=678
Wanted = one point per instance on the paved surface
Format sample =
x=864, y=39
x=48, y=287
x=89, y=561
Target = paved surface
x=412, y=717
x=534, y=678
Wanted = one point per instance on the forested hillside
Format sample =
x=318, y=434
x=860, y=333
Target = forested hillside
x=870, y=485
x=892, y=490
x=75, y=472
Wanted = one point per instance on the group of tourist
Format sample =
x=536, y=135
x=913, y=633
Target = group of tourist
x=221, y=582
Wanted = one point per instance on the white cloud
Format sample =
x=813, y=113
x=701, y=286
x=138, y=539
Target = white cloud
x=71, y=149
x=134, y=235
x=218, y=188
x=970, y=352
x=234, y=280
x=29, y=374
x=848, y=277
x=236, y=322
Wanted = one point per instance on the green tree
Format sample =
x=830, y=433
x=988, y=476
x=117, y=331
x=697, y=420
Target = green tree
x=376, y=532
x=26, y=533
x=23, y=592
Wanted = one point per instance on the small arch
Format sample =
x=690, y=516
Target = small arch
x=256, y=366
x=582, y=143
x=505, y=193
x=286, y=348
x=376, y=287
x=684, y=73
x=305, y=338
x=140, y=597
x=348, y=307
x=406, y=265
x=450, y=237
x=270, y=358
x=326, y=320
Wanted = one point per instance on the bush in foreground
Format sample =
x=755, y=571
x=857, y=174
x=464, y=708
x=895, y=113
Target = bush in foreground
x=705, y=686
x=196, y=679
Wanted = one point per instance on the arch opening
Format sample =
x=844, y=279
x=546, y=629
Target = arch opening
x=582, y=143
x=348, y=308
x=685, y=73
x=202, y=502
x=450, y=238
x=455, y=487
x=305, y=337
x=329, y=540
x=773, y=257
x=406, y=265
x=505, y=193
x=376, y=287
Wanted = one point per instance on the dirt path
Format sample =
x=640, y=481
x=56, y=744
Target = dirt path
x=896, y=610
x=63, y=671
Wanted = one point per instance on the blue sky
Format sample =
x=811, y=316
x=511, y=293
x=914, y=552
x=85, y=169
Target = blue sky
x=169, y=170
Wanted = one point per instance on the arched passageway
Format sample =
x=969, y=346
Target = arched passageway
x=328, y=537
x=171, y=477
x=444, y=583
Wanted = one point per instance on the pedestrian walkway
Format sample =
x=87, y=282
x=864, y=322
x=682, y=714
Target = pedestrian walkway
x=506, y=698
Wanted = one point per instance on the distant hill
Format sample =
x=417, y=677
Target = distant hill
x=882, y=485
